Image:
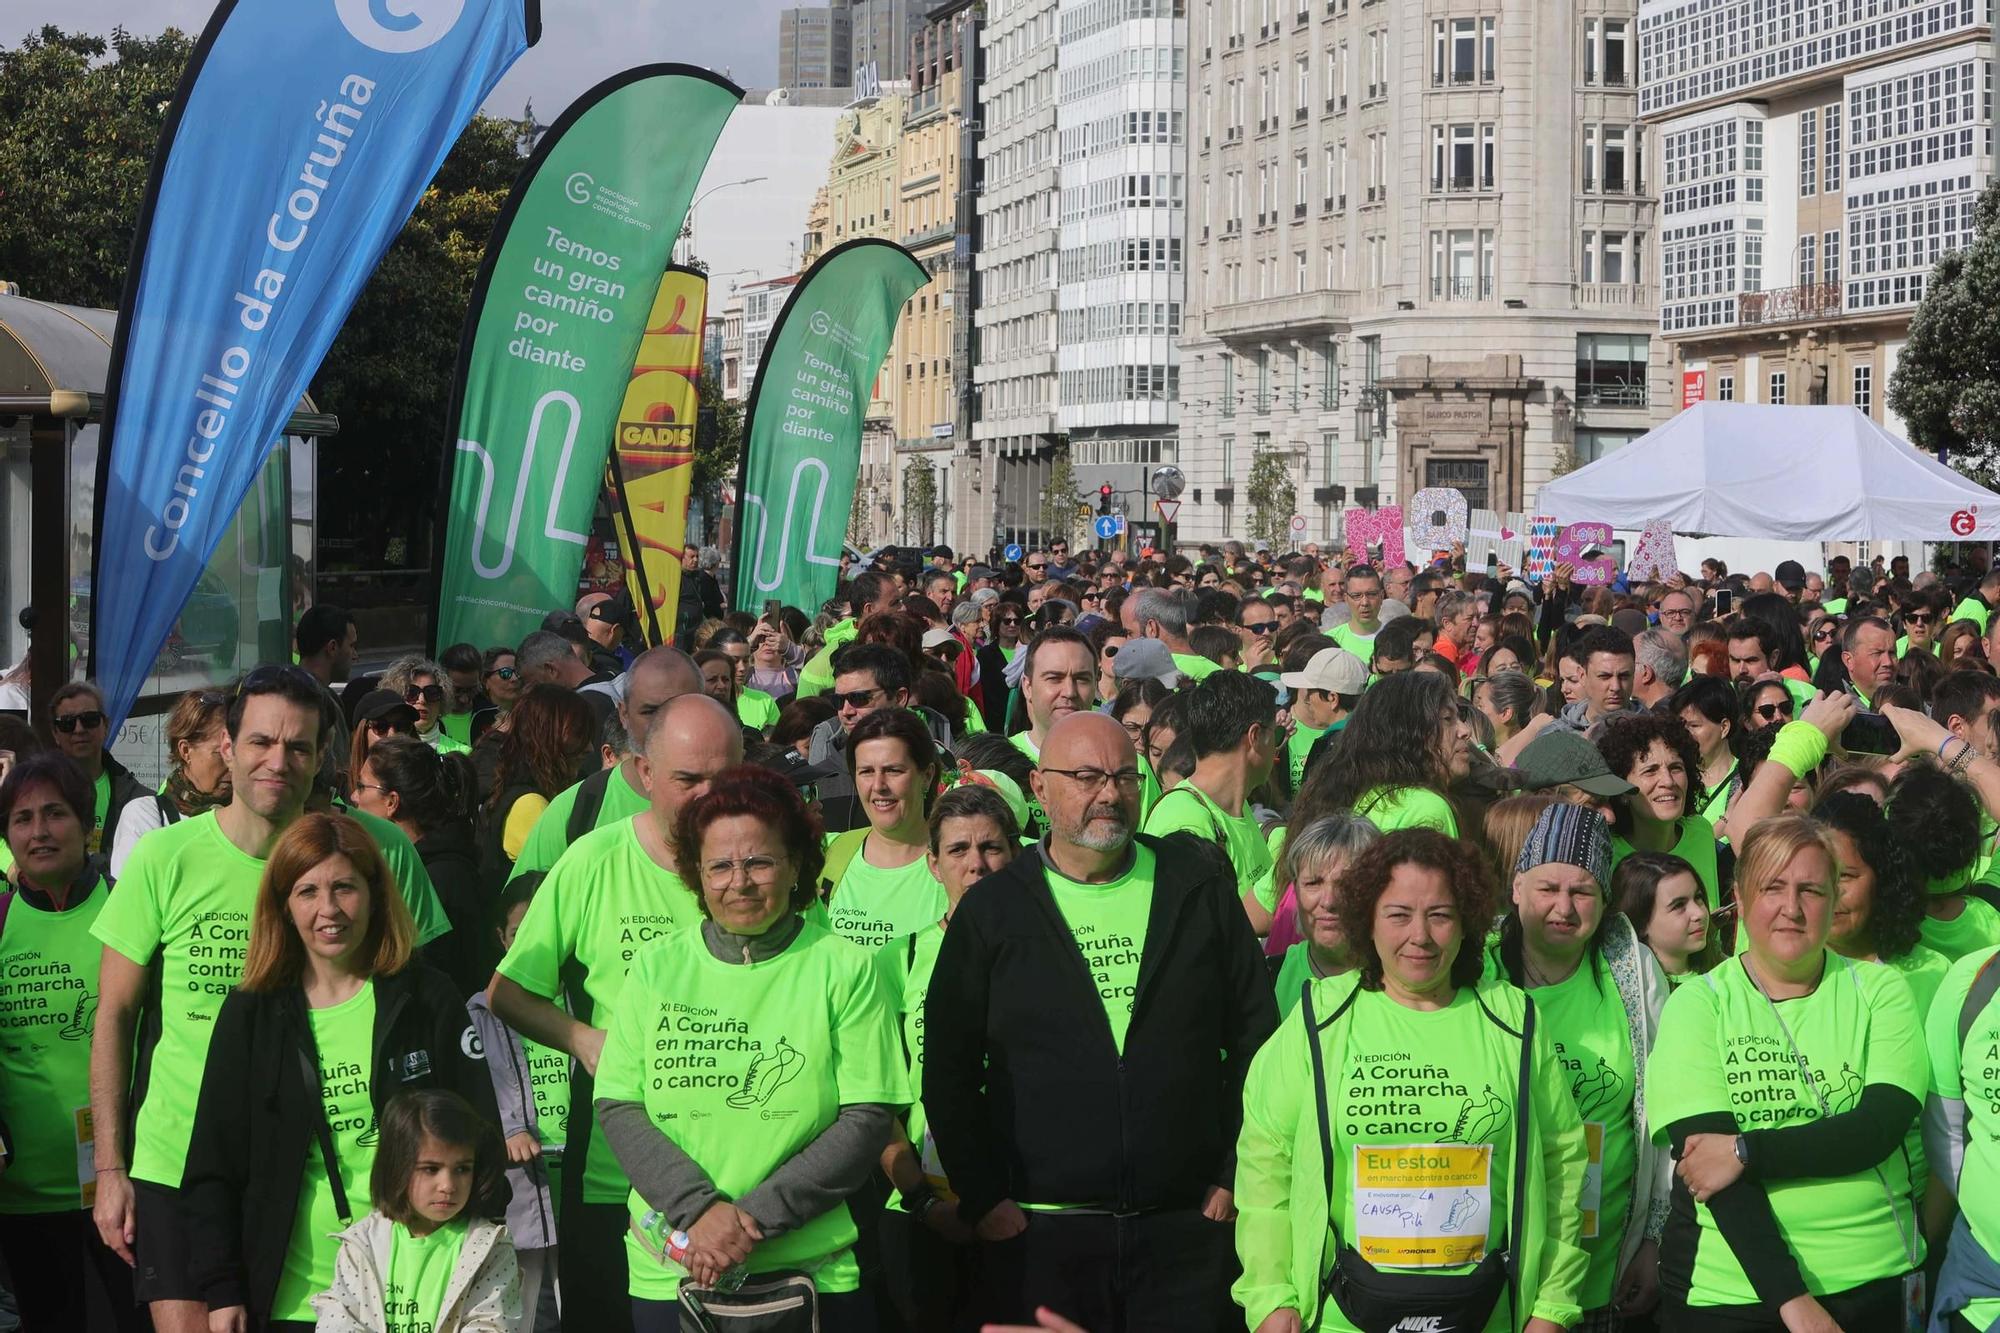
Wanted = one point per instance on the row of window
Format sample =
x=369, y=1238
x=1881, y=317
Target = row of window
x=1294, y=380
x=1133, y=190
x=1095, y=16
x=1923, y=100
x=1084, y=452
x=1120, y=384
x=1117, y=319
x=1106, y=73
x=1709, y=150
x=1944, y=146
x=1811, y=154
x=1128, y=130
x=1132, y=254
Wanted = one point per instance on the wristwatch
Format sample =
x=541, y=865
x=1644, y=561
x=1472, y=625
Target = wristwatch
x=1743, y=1151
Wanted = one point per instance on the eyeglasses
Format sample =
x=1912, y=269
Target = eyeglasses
x=506, y=673
x=855, y=698
x=378, y=727
x=1675, y=612
x=89, y=721
x=369, y=786
x=1092, y=778
x=1769, y=712
x=1010, y=620
x=428, y=693
x=758, y=869
x=1043, y=565
x=1262, y=627
x=1917, y=618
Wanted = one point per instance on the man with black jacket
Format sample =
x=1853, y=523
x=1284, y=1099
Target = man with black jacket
x=1089, y=1024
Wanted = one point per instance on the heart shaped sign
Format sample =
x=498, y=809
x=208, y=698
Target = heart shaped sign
x=1506, y=534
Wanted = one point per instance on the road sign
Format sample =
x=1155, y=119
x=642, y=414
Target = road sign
x=1013, y=552
x=1168, y=483
x=1109, y=526
x=1298, y=522
x=1169, y=509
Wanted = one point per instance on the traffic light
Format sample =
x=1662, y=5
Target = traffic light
x=1104, y=498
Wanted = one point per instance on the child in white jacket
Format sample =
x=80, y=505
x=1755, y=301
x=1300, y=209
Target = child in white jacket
x=432, y=1255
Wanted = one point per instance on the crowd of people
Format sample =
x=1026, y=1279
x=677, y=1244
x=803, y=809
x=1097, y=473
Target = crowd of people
x=1223, y=940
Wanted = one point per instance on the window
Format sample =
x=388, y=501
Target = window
x=1864, y=390
x=1611, y=369
x=1590, y=157
x=1591, y=36
x=1808, y=260
x=1463, y=162
x=1777, y=398
x=1301, y=188
x=1228, y=385
x=1587, y=269
x=1461, y=264
x=1229, y=458
x=1591, y=444
x=1615, y=179
x=1829, y=258
x=1615, y=269
x=1830, y=127
x=1329, y=456
x=1617, y=65
x=1725, y=388
x=1301, y=281
x=1263, y=379
x=1808, y=152
x=1487, y=157
x=1329, y=377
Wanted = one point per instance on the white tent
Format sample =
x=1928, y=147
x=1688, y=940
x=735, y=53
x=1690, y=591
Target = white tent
x=1785, y=473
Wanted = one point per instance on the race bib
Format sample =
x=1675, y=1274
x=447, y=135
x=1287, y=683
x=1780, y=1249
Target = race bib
x=1592, y=1198
x=86, y=1164
x=1426, y=1205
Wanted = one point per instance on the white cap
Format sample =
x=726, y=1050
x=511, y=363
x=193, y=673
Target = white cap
x=1334, y=670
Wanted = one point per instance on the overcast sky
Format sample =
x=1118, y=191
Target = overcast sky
x=582, y=40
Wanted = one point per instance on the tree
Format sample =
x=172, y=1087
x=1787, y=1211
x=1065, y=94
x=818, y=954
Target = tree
x=1059, y=501
x=1273, y=500
x=1947, y=382
x=920, y=497
x=858, y=534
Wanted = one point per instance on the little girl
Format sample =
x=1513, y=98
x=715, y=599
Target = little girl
x=433, y=1256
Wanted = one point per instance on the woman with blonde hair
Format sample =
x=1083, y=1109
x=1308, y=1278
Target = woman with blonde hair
x=197, y=777
x=332, y=1019
x=1506, y=825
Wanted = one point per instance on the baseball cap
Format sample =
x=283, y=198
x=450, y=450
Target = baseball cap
x=1334, y=670
x=978, y=572
x=1791, y=574
x=384, y=706
x=1557, y=757
x=1145, y=659
x=938, y=635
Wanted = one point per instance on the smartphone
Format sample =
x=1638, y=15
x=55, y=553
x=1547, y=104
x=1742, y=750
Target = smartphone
x=1870, y=733
x=771, y=609
x=1492, y=564
x=1724, y=600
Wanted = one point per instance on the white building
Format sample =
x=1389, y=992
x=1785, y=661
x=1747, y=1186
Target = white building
x=762, y=301
x=1417, y=235
x=1016, y=424
x=1818, y=157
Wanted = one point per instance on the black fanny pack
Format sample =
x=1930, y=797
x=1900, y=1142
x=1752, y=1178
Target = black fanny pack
x=1378, y=1300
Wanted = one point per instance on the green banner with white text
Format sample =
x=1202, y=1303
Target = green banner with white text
x=802, y=430
x=555, y=322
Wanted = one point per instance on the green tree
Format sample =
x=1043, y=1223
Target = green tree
x=1947, y=382
x=858, y=534
x=920, y=498
x=719, y=443
x=1059, y=501
x=1273, y=500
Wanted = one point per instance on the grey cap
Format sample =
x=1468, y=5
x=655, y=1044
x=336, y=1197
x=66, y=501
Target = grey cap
x=1559, y=756
x=1145, y=659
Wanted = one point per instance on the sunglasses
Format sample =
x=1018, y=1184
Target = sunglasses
x=1262, y=627
x=1769, y=712
x=428, y=693
x=1043, y=565
x=1826, y=631
x=89, y=721
x=1010, y=620
x=855, y=698
x=506, y=673
x=1917, y=618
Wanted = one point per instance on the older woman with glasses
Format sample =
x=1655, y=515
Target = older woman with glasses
x=746, y=1117
x=426, y=687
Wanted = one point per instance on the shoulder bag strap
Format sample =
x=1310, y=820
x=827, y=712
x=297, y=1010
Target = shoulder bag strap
x=1313, y=1029
x=1985, y=982
x=1522, y=1111
x=309, y=1067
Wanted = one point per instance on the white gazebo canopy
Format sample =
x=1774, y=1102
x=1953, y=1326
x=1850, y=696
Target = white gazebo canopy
x=1783, y=473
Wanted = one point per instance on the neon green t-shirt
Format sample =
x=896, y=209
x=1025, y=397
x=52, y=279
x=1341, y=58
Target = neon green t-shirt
x=419, y=1276
x=742, y=1065
x=1193, y=666
x=548, y=1080
x=548, y=839
x=1974, y=929
x=1298, y=747
x=1108, y=922
x=605, y=900
x=48, y=961
x=1973, y=608
x=185, y=900
x=458, y=726
x=756, y=709
x=1242, y=838
x=344, y=1035
x=872, y=905
x=1407, y=807
x=1293, y=974
x=1721, y=1048
x=1353, y=640
x=1713, y=803
x=1971, y=1072
x=907, y=966
x=1924, y=969
x=1585, y=1020
x=1695, y=845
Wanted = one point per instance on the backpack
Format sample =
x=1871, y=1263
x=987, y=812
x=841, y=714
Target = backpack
x=840, y=854
x=589, y=800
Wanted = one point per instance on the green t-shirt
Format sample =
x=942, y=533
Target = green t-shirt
x=1293, y=973
x=1353, y=640
x=1298, y=748
x=1108, y=922
x=1242, y=839
x=756, y=710
x=1721, y=1048
x=548, y=839
x=1924, y=969
x=185, y=899
x=1973, y=608
x=1193, y=666
x=548, y=1079
x=1407, y=807
x=1585, y=1020
x=458, y=726
x=1974, y=929
x=1695, y=845
x=48, y=963
x=743, y=1065
x=1971, y=1071
x=907, y=965
x=344, y=1035
x=604, y=900
x=872, y=905
x=101, y=800
x=1712, y=803
x=419, y=1275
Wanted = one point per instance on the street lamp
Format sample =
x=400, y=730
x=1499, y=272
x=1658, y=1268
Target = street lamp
x=687, y=225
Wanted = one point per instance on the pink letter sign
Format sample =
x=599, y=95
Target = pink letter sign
x=1655, y=558
x=1366, y=528
x=1577, y=538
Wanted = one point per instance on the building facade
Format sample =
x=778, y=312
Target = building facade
x=1417, y=234
x=815, y=47
x=1816, y=160
x=1121, y=122
x=1016, y=428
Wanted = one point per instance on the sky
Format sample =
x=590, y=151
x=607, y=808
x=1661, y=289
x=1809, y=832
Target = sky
x=754, y=227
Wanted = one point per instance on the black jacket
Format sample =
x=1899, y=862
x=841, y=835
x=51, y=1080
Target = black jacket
x=993, y=688
x=124, y=789
x=451, y=858
x=254, y=1125
x=1028, y=1097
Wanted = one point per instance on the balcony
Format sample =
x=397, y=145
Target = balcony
x=1299, y=115
x=1376, y=90
x=1337, y=103
x=1298, y=210
x=1306, y=312
x=1611, y=392
x=1638, y=294
x=1787, y=304
x=1377, y=193
x=1461, y=289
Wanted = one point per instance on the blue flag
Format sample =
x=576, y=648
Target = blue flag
x=303, y=134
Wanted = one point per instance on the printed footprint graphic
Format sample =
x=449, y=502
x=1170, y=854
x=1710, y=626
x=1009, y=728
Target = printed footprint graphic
x=1599, y=1093
x=82, y=1022
x=1460, y=1212
x=771, y=1070
x=1481, y=1119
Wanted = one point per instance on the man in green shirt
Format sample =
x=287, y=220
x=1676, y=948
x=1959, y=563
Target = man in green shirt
x=869, y=593
x=656, y=677
x=1364, y=604
x=1868, y=647
x=617, y=888
x=1978, y=604
x=1058, y=680
x=1323, y=694
x=1157, y=613
x=1233, y=727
